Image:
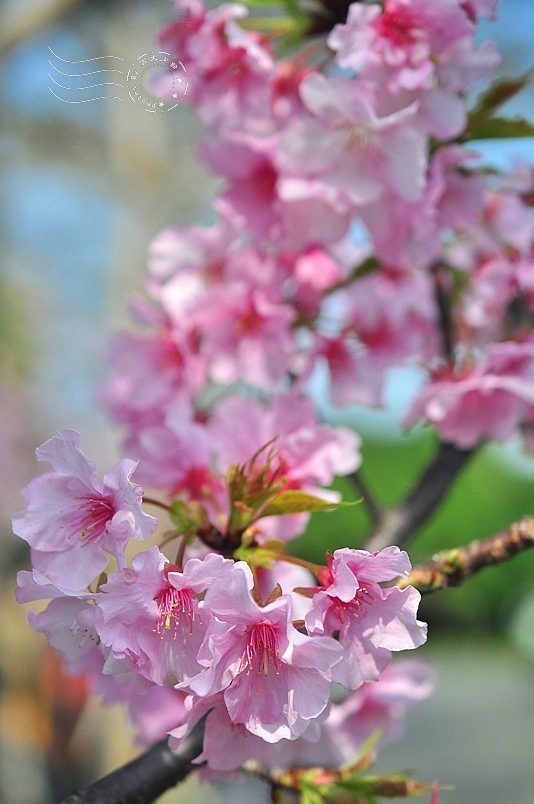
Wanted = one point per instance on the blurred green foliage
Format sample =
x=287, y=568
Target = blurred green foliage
x=13, y=332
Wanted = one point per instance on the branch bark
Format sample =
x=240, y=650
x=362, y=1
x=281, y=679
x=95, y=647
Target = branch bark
x=375, y=510
x=398, y=525
x=454, y=567
x=147, y=777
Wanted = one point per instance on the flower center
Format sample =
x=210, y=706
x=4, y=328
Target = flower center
x=398, y=26
x=172, y=604
x=90, y=517
x=249, y=321
x=359, y=136
x=261, y=650
x=354, y=607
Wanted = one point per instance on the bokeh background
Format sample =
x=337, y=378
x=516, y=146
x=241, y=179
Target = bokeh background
x=83, y=189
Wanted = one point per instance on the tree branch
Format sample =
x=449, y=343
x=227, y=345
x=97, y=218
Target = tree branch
x=453, y=567
x=147, y=777
x=443, y=304
x=397, y=526
x=374, y=508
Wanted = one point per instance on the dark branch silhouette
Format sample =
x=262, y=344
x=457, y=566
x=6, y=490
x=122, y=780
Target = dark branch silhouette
x=374, y=508
x=398, y=525
x=145, y=778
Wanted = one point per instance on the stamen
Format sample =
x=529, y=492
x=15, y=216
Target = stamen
x=261, y=650
x=358, y=135
x=354, y=607
x=89, y=518
x=172, y=604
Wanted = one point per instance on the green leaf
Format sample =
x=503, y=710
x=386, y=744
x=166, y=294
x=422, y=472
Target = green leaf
x=310, y=796
x=178, y=515
x=366, y=267
x=502, y=127
x=281, y=24
x=265, y=3
x=297, y=502
x=188, y=517
x=291, y=27
x=495, y=95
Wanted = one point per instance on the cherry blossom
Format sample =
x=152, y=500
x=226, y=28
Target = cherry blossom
x=149, y=612
x=355, y=232
x=345, y=153
x=274, y=679
x=488, y=400
x=70, y=518
x=371, y=621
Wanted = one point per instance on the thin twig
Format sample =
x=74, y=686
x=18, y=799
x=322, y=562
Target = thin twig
x=443, y=304
x=399, y=525
x=158, y=503
x=147, y=777
x=454, y=567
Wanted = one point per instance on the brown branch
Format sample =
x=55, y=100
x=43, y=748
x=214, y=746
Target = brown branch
x=147, y=777
x=375, y=509
x=443, y=304
x=453, y=567
x=398, y=525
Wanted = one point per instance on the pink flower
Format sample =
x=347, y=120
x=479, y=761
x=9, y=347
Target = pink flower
x=70, y=518
x=480, y=8
x=68, y=623
x=375, y=706
x=409, y=44
x=149, y=372
x=194, y=250
x=487, y=401
x=245, y=334
x=329, y=741
x=354, y=376
x=255, y=201
x=154, y=713
x=314, y=272
x=149, y=612
x=392, y=312
x=174, y=454
x=343, y=153
x=229, y=70
x=228, y=745
x=409, y=235
x=274, y=679
x=381, y=704
x=311, y=453
x=371, y=621
x=251, y=182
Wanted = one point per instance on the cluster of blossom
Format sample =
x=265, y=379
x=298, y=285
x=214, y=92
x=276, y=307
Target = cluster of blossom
x=258, y=649
x=280, y=287
x=215, y=396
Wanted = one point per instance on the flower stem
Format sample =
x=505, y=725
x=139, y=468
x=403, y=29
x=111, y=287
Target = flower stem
x=158, y=503
x=300, y=562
